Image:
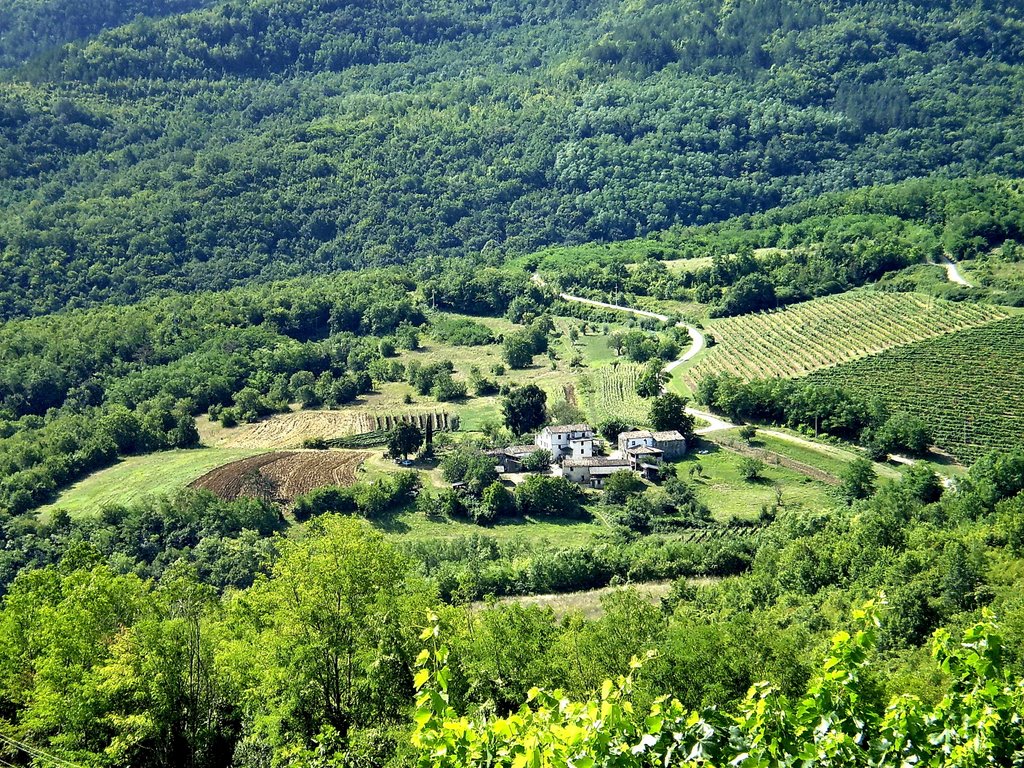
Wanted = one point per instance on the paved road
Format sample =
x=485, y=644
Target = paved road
x=697, y=343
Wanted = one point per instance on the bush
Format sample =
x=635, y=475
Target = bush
x=543, y=496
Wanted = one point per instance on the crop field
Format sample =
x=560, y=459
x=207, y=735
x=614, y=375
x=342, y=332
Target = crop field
x=287, y=430
x=134, y=478
x=967, y=386
x=610, y=392
x=825, y=332
x=282, y=475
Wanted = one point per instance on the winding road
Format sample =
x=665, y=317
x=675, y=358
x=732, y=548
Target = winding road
x=697, y=343
x=714, y=423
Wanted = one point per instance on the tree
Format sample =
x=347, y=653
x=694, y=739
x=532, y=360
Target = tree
x=524, y=408
x=611, y=429
x=651, y=380
x=857, y=480
x=748, y=432
x=540, y=495
x=621, y=485
x=538, y=461
x=518, y=349
x=751, y=468
x=328, y=634
x=468, y=464
x=668, y=412
x=497, y=501
x=404, y=439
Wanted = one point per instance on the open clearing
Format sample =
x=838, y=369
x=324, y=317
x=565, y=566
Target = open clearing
x=286, y=430
x=590, y=602
x=282, y=475
x=137, y=477
x=729, y=497
x=825, y=332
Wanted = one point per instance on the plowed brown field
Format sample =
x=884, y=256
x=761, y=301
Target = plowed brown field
x=281, y=476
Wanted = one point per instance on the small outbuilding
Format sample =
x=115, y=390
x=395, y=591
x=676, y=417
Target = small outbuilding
x=593, y=471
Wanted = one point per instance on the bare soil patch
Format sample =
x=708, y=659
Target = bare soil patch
x=281, y=476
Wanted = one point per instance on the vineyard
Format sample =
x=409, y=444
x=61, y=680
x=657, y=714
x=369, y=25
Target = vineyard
x=829, y=331
x=281, y=476
x=382, y=426
x=967, y=386
x=721, y=533
x=610, y=393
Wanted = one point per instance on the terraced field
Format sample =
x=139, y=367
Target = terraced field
x=968, y=386
x=829, y=331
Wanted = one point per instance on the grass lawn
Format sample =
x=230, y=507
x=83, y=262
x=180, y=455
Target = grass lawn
x=137, y=477
x=730, y=497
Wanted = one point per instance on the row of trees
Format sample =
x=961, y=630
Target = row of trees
x=822, y=408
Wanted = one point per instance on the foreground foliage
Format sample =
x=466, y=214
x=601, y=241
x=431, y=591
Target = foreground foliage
x=836, y=723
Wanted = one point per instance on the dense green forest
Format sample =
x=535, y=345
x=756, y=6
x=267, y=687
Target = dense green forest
x=264, y=140
x=31, y=28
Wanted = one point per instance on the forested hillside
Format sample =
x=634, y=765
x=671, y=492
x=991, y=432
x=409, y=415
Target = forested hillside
x=269, y=139
x=35, y=27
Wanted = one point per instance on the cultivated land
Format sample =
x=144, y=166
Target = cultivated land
x=282, y=475
x=829, y=331
x=967, y=386
x=591, y=602
x=135, y=478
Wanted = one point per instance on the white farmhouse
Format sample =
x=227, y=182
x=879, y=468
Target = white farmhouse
x=640, y=438
x=568, y=440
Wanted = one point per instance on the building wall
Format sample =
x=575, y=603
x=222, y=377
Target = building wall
x=633, y=442
x=577, y=474
x=673, y=449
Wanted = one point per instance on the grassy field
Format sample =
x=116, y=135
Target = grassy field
x=590, y=603
x=827, y=458
x=967, y=386
x=411, y=526
x=730, y=497
x=825, y=332
x=137, y=477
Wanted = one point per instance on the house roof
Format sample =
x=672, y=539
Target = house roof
x=520, y=450
x=637, y=434
x=596, y=462
x=644, y=450
x=569, y=428
x=669, y=436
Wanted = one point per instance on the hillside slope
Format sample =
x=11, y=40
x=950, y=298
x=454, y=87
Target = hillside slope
x=268, y=139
